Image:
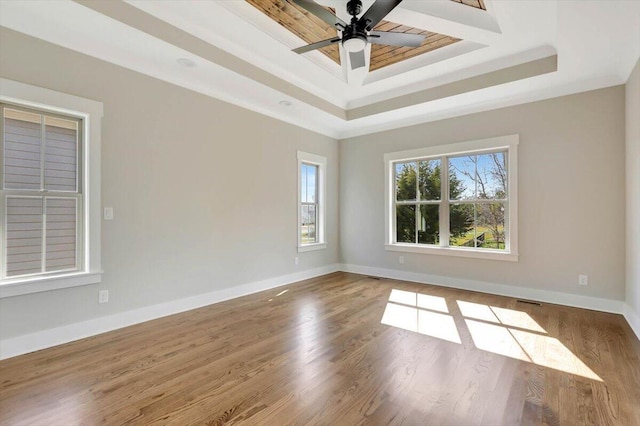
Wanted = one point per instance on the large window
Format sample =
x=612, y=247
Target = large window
x=458, y=199
x=311, y=196
x=49, y=181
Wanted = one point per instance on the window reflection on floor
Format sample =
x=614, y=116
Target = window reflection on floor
x=424, y=301
x=499, y=315
x=502, y=331
x=424, y=322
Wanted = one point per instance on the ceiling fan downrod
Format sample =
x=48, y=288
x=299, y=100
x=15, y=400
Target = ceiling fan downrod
x=354, y=7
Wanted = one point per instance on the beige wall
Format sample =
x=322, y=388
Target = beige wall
x=632, y=97
x=204, y=193
x=571, y=195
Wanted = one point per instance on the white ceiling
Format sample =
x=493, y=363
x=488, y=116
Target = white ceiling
x=245, y=58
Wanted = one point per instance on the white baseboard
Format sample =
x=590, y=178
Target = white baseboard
x=632, y=318
x=566, y=299
x=56, y=336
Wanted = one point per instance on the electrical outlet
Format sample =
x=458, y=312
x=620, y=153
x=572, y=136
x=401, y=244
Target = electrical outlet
x=401, y=260
x=103, y=296
x=583, y=279
x=296, y=260
x=108, y=213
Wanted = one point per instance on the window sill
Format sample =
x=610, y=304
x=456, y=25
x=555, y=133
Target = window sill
x=312, y=247
x=455, y=252
x=18, y=287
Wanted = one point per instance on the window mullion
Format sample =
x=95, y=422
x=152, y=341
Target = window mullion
x=416, y=217
x=43, y=144
x=3, y=235
x=44, y=234
x=444, y=206
x=417, y=205
x=507, y=245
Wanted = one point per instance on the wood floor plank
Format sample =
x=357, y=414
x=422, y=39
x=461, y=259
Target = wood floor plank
x=342, y=349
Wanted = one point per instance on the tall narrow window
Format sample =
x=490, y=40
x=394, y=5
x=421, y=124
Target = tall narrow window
x=311, y=200
x=41, y=192
x=309, y=203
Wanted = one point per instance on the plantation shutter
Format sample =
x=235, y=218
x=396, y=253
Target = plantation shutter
x=22, y=152
x=60, y=164
x=24, y=235
x=41, y=192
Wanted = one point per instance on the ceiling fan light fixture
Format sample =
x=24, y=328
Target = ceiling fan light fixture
x=354, y=44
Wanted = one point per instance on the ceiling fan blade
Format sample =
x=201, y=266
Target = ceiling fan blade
x=317, y=45
x=377, y=12
x=320, y=12
x=357, y=59
x=396, y=39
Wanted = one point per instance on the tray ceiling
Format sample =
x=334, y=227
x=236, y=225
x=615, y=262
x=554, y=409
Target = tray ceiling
x=509, y=52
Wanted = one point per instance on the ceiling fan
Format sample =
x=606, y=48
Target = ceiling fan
x=356, y=34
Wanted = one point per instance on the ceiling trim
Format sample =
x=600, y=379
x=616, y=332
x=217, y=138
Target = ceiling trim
x=502, y=76
x=140, y=20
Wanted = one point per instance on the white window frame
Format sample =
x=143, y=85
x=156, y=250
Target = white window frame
x=508, y=143
x=90, y=112
x=321, y=162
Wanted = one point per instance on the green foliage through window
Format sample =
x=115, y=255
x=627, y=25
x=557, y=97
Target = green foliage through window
x=477, y=190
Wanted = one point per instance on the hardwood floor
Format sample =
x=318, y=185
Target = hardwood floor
x=322, y=352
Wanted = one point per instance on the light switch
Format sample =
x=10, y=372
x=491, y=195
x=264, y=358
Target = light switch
x=108, y=213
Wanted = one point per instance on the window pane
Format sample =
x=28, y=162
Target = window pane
x=309, y=183
x=462, y=184
x=405, y=181
x=61, y=234
x=24, y=236
x=429, y=176
x=22, y=150
x=490, y=225
x=309, y=224
x=491, y=176
x=61, y=154
x=461, y=225
x=303, y=183
x=429, y=224
x=406, y=224
x=312, y=183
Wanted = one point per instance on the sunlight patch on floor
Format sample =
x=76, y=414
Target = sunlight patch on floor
x=495, y=314
x=550, y=352
x=502, y=331
x=424, y=301
x=420, y=321
x=496, y=339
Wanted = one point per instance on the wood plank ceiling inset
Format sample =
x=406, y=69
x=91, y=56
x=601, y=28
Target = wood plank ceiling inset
x=305, y=25
x=383, y=55
x=311, y=29
x=478, y=4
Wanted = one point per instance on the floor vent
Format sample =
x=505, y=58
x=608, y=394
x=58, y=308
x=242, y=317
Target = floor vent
x=374, y=278
x=529, y=302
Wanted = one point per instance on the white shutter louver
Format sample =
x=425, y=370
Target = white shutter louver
x=22, y=152
x=60, y=234
x=24, y=235
x=60, y=155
